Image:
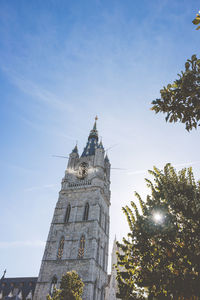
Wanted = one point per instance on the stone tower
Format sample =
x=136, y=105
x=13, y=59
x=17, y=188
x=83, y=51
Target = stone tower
x=112, y=287
x=79, y=233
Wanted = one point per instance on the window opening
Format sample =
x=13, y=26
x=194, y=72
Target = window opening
x=86, y=212
x=98, y=245
x=104, y=256
x=105, y=226
x=53, y=285
x=60, y=249
x=81, y=247
x=100, y=212
x=102, y=293
x=67, y=215
x=95, y=290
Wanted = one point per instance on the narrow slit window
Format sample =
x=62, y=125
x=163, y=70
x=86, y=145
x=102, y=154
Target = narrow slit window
x=61, y=248
x=86, y=212
x=102, y=293
x=98, y=246
x=81, y=247
x=95, y=290
x=104, y=257
x=67, y=215
x=53, y=285
x=100, y=212
x=105, y=225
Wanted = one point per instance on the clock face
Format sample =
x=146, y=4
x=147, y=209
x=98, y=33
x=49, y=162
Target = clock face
x=82, y=170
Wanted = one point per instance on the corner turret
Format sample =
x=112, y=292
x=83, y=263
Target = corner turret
x=107, y=166
x=99, y=156
x=73, y=158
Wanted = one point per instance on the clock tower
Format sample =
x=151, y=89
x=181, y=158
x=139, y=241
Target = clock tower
x=79, y=233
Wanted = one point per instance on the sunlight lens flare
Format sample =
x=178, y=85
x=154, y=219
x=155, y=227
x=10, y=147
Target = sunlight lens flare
x=158, y=217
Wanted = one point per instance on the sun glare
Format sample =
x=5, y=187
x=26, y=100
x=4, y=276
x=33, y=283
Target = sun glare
x=158, y=217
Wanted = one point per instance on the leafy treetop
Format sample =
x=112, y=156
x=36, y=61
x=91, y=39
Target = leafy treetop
x=196, y=21
x=162, y=251
x=181, y=99
x=71, y=288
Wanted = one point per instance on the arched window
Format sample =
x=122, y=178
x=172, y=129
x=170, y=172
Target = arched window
x=61, y=247
x=95, y=290
x=67, y=215
x=53, y=285
x=98, y=246
x=81, y=247
x=86, y=212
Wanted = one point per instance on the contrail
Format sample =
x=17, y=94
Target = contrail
x=176, y=165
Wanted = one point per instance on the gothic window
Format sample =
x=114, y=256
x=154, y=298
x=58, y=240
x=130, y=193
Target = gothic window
x=53, y=285
x=67, y=215
x=81, y=247
x=95, y=290
x=61, y=247
x=86, y=212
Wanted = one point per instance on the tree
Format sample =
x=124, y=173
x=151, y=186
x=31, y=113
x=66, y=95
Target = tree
x=196, y=21
x=181, y=99
x=71, y=288
x=162, y=251
x=55, y=295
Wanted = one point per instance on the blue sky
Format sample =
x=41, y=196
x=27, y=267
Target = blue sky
x=63, y=62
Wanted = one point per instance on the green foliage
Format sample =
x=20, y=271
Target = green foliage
x=163, y=255
x=181, y=99
x=196, y=21
x=71, y=288
x=55, y=296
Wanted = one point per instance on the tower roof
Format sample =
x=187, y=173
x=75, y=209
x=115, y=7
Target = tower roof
x=106, y=158
x=100, y=145
x=92, y=142
x=75, y=150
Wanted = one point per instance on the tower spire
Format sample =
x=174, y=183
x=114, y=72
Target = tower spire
x=92, y=143
x=75, y=150
x=95, y=123
x=94, y=132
